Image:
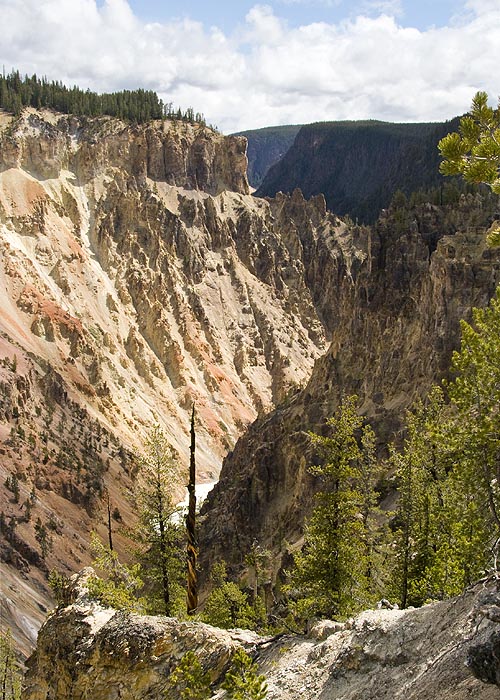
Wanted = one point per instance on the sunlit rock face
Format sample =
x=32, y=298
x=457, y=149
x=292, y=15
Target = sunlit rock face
x=393, y=297
x=137, y=277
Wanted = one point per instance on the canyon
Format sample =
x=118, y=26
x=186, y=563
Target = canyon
x=139, y=276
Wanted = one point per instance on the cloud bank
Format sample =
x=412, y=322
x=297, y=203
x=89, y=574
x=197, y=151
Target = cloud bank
x=265, y=72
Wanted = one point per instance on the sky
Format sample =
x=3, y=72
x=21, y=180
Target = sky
x=250, y=64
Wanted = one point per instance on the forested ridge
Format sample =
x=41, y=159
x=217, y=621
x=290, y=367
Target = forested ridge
x=359, y=165
x=138, y=105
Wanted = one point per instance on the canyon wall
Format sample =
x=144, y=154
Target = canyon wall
x=394, y=295
x=138, y=277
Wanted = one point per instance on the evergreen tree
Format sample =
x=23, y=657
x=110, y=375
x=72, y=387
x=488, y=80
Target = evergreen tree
x=228, y=606
x=448, y=519
x=119, y=585
x=43, y=537
x=242, y=681
x=335, y=572
x=192, y=543
x=10, y=672
x=420, y=506
x=135, y=105
x=188, y=681
x=475, y=151
x=158, y=533
x=475, y=429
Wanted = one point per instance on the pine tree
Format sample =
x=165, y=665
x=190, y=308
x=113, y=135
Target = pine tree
x=474, y=153
x=228, y=606
x=118, y=585
x=242, y=681
x=334, y=573
x=448, y=519
x=188, y=681
x=10, y=673
x=158, y=533
x=419, y=469
x=192, y=544
x=475, y=432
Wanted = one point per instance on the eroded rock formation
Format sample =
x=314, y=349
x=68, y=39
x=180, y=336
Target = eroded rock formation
x=138, y=276
x=393, y=297
x=85, y=651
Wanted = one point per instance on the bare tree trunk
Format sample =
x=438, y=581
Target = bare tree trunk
x=192, y=546
x=110, y=535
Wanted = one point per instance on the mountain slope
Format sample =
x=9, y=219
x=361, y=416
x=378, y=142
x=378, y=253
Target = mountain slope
x=138, y=276
x=359, y=165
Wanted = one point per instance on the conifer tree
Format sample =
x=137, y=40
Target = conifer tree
x=420, y=505
x=334, y=573
x=158, y=533
x=136, y=105
x=475, y=433
x=188, y=681
x=10, y=673
x=475, y=151
x=228, y=606
x=192, y=545
x=448, y=519
x=242, y=681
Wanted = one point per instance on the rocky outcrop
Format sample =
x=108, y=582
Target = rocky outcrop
x=265, y=148
x=85, y=651
x=181, y=154
x=396, y=295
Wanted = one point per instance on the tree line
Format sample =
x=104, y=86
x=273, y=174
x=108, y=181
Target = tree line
x=17, y=92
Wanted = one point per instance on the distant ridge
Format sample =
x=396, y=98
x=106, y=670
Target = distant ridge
x=358, y=165
x=265, y=147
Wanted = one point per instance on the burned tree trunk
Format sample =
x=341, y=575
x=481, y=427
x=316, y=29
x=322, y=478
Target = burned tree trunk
x=192, y=545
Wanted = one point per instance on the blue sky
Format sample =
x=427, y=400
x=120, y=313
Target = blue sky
x=253, y=64
x=421, y=14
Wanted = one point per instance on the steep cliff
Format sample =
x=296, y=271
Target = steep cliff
x=393, y=298
x=358, y=165
x=85, y=651
x=138, y=276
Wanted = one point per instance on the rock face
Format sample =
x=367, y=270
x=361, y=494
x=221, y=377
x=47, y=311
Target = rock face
x=266, y=147
x=393, y=298
x=137, y=276
x=179, y=154
x=85, y=651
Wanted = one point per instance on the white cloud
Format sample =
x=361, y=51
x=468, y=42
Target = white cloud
x=394, y=8
x=267, y=72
